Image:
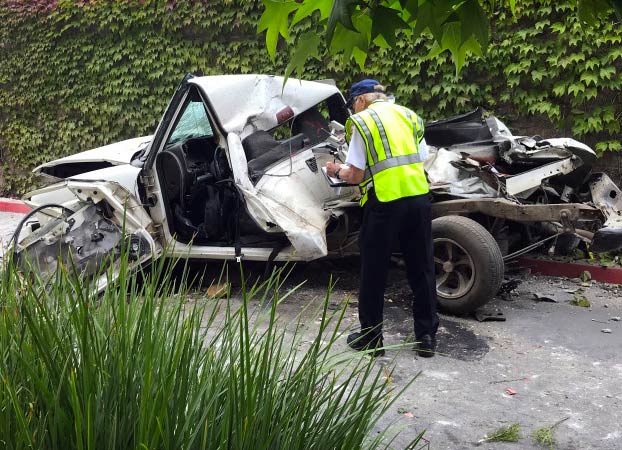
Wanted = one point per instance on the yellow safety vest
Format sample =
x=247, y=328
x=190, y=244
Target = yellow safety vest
x=392, y=134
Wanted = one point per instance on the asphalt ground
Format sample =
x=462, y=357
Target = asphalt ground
x=546, y=362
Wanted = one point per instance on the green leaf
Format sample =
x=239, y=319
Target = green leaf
x=615, y=53
x=353, y=44
x=308, y=47
x=537, y=75
x=594, y=123
x=559, y=89
x=307, y=7
x=615, y=145
x=589, y=78
x=591, y=10
x=274, y=21
x=576, y=88
x=410, y=6
x=386, y=22
x=340, y=13
x=474, y=22
x=589, y=64
x=558, y=27
x=432, y=16
x=607, y=73
x=589, y=93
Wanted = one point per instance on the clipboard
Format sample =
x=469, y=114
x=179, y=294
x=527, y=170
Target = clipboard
x=334, y=182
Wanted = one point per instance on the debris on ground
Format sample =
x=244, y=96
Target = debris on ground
x=405, y=412
x=579, y=299
x=504, y=434
x=489, y=316
x=543, y=298
x=505, y=381
x=606, y=330
x=510, y=391
x=507, y=287
x=585, y=276
x=544, y=436
x=615, y=319
x=218, y=290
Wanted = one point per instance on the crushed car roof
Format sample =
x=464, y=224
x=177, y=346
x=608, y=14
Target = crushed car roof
x=247, y=103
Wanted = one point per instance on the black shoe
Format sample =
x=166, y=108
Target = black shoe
x=425, y=346
x=364, y=341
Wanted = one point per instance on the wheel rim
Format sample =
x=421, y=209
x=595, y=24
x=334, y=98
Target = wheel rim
x=455, y=271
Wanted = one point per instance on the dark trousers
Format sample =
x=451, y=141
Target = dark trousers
x=407, y=222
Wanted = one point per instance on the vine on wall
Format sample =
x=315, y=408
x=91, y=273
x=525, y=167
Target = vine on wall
x=77, y=74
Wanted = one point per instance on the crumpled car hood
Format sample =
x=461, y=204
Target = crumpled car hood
x=115, y=154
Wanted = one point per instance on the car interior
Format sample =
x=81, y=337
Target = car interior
x=202, y=202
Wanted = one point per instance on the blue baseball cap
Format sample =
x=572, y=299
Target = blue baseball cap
x=362, y=87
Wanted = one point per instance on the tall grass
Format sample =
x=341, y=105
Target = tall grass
x=139, y=368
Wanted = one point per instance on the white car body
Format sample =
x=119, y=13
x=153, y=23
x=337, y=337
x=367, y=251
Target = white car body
x=289, y=198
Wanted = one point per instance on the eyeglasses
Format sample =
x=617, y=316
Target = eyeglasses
x=351, y=101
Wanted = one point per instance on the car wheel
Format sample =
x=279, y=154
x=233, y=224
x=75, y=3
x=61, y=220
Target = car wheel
x=468, y=264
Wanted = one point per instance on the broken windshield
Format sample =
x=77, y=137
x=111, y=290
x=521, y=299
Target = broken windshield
x=193, y=123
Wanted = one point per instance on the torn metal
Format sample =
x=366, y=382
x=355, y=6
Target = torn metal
x=477, y=166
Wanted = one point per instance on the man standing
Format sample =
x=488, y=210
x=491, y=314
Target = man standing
x=385, y=158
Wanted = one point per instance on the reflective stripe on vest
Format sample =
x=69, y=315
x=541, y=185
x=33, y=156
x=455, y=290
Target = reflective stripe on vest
x=393, y=159
x=418, y=129
x=413, y=158
x=383, y=135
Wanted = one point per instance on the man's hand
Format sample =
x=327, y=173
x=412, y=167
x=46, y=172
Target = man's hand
x=331, y=167
x=349, y=174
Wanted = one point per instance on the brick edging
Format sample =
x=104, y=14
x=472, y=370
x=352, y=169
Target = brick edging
x=14, y=206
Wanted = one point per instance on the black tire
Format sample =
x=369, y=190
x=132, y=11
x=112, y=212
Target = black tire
x=469, y=265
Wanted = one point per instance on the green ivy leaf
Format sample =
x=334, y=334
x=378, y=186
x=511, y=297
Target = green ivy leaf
x=591, y=10
x=589, y=78
x=594, y=123
x=607, y=73
x=274, y=21
x=589, y=64
x=558, y=27
x=590, y=93
x=559, y=89
x=576, y=89
x=538, y=75
x=615, y=53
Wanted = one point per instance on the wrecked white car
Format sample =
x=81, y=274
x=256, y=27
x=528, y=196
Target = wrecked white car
x=233, y=171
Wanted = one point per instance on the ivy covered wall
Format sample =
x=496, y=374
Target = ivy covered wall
x=79, y=74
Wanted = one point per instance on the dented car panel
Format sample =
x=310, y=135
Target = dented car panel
x=104, y=218
x=543, y=184
x=115, y=154
x=259, y=99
